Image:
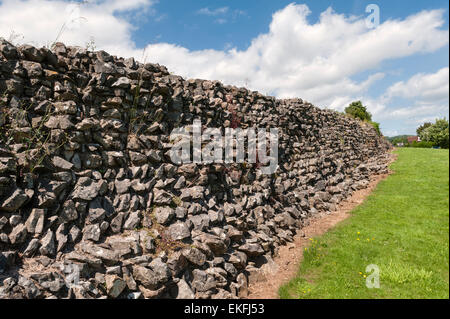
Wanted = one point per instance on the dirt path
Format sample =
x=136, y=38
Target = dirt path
x=287, y=261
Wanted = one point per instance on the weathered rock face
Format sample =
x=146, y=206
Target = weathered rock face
x=91, y=205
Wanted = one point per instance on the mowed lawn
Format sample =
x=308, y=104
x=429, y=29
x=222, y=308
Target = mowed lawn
x=403, y=228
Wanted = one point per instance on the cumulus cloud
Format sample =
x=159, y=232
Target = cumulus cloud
x=422, y=98
x=417, y=112
x=314, y=61
x=41, y=22
x=426, y=95
x=427, y=87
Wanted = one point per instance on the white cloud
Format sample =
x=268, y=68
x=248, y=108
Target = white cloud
x=40, y=21
x=417, y=112
x=422, y=98
x=428, y=87
x=214, y=12
x=221, y=13
x=426, y=94
x=313, y=61
x=391, y=133
x=120, y=5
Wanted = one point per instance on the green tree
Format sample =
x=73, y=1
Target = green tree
x=357, y=110
x=422, y=127
x=437, y=133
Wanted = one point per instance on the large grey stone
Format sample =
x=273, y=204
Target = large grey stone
x=179, y=231
x=48, y=247
x=18, y=234
x=114, y=285
x=86, y=189
x=164, y=215
x=15, y=201
x=35, y=222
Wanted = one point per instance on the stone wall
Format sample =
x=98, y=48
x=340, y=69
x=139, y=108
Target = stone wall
x=92, y=206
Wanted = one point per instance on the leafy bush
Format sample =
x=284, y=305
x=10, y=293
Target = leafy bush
x=357, y=110
x=422, y=144
x=436, y=133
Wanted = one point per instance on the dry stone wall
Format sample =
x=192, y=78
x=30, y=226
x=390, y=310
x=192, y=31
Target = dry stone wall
x=91, y=206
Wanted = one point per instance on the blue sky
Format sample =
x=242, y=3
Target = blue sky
x=319, y=50
x=181, y=23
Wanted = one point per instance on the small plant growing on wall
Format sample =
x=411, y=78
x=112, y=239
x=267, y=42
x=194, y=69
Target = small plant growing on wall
x=35, y=139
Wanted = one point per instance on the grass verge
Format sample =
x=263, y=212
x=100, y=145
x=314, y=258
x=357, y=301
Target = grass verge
x=403, y=228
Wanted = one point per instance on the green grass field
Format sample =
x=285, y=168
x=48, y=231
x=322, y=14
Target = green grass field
x=403, y=228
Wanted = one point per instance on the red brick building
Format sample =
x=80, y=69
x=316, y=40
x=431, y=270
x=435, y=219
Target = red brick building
x=413, y=139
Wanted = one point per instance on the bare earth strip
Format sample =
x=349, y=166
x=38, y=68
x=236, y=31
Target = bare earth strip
x=285, y=265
